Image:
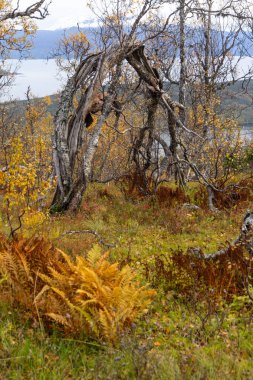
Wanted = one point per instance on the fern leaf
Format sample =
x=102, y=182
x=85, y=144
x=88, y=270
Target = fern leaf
x=25, y=266
x=89, y=319
x=40, y=294
x=84, y=292
x=94, y=255
x=59, y=319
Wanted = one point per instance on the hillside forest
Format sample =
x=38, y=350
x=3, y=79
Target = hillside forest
x=126, y=218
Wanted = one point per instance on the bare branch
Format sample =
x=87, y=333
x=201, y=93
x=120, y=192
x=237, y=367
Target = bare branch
x=92, y=232
x=38, y=11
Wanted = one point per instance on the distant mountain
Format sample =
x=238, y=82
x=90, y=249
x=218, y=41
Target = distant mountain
x=45, y=42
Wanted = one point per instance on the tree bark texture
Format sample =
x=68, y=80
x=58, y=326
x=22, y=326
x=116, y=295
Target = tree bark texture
x=72, y=177
x=69, y=127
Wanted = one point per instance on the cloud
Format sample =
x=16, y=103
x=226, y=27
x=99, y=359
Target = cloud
x=62, y=13
x=66, y=13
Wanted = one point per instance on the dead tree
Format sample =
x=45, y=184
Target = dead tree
x=142, y=148
x=72, y=161
x=148, y=75
x=72, y=165
x=69, y=128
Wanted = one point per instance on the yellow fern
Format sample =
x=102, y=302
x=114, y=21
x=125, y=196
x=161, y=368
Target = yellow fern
x=89, y=295
x=58, y=318
x=94, y=255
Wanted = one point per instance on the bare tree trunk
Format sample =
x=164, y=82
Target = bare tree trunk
x=182, y=79
x=163, y=167
x=72, y=199
x=61, y=156
x=211, y=198
x=143, y=149
x=207, y=90
x=139, y=62
x=88, y=156
x=70, y=126
x=178, y=173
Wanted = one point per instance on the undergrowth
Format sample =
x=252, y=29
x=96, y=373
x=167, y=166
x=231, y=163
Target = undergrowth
x=199, y=325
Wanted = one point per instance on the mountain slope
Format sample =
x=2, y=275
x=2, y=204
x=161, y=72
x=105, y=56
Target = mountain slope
x=45, y=42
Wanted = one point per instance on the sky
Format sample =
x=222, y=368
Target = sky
x=63, y=13
x=66, y=13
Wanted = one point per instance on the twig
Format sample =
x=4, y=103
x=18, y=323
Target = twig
x=93, y=232
x=15, y=358
x=93, y=344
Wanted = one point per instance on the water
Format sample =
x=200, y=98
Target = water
x=247, y=132
x=41, y=75
x=44, y=79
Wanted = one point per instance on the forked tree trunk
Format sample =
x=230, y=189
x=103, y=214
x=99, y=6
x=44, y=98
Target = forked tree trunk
x=73, y=177
x=139, y=62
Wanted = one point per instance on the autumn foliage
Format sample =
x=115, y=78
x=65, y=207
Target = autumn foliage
x=25, y=171
x=87, y=295
x=201, y=280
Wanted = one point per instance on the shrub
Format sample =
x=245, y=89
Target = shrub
x=200, y=280
x=21, y=261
